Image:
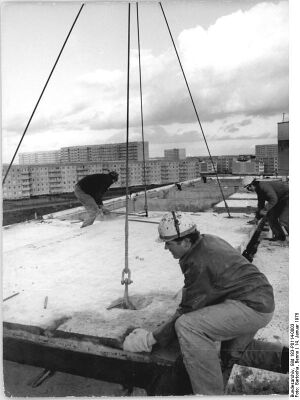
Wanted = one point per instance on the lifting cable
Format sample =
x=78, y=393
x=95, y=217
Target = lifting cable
x=126, y=271
x=39, y=99
x=142, y=118
x=227, y=209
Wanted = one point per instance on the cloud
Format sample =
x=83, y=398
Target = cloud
x=237, y=69
x=239, y=65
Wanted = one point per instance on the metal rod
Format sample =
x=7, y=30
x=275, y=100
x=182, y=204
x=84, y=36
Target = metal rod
x=127, y=145
x=10, y=297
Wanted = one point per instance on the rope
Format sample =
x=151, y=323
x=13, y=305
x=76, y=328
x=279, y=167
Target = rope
x=195, y=109
x=28, y=123
x=126, y=270
x=142, y=119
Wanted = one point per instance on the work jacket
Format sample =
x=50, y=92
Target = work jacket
x=213, y=272
x=96, y=185
x=272, y=192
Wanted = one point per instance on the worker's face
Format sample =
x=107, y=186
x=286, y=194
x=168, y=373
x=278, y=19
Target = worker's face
x=250, y=188
x=178, y=249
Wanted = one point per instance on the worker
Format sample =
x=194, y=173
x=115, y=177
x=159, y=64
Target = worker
x=276, y=194
x=90, y=190
x=224, y=299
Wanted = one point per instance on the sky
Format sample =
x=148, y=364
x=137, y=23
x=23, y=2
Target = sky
x=235, y=55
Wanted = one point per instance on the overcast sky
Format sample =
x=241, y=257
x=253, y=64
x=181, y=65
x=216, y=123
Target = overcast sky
x=234, y=53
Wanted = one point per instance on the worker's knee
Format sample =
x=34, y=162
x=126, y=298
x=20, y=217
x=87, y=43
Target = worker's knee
x=181, y=324
x=186, y=323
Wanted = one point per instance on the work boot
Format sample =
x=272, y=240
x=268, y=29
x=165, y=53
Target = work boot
x=276, y=239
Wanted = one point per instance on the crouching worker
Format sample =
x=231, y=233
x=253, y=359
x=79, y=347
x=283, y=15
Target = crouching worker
x=90, y=191
x=276, y=194
x=224, y=299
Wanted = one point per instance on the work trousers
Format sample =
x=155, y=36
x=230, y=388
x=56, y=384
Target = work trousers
x=89, y=204
x=232, y=323
x=279, y=215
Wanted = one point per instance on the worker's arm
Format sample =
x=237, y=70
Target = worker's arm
x=165, y=333
x=270, y=196
x=195, y=293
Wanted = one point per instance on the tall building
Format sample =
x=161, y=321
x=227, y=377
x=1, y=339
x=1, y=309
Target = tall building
x=225, y=163
x=40, y=157
x=92, y=153
x=105, y=152
x=283, y=148
x=266, y=150
x=175, y=154
x=268, y=155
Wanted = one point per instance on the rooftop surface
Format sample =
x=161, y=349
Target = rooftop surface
x=66, y=277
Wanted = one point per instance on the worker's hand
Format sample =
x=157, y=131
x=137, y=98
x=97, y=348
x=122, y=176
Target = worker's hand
x=139, y=340
x=262, y=213
x=105, y=210
x=253, y=221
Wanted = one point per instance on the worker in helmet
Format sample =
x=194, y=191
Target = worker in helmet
x=90, y=191
x=224, y=299
x=276, y=194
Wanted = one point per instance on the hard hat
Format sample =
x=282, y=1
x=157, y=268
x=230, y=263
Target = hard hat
x=114, y=175
x=247, y=180
x=174, y=225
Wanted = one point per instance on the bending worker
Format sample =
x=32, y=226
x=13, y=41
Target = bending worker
x=276, y=194
x=90, y=190
x=224, y=299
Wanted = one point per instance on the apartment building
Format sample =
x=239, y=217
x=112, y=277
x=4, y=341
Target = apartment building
x=40, y=157
x=41, y=179
x=105, y=152
x=90, y=153
x=174, y=154
x=268, y=154
x=247, y=167
x=225, y=163
x=266, y=150
x=283, y=148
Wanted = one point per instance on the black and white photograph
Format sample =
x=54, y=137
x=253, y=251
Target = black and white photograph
x=145, y=199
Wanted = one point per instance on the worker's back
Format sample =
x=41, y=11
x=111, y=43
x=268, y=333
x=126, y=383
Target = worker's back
x=215, y=271
x=96, y=184
x=280, y=188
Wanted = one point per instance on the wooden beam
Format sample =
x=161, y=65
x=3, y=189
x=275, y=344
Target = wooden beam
x=40, y=352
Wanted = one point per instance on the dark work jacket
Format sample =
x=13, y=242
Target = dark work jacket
x=96, y=185
x=272, y=192
x=213, y=272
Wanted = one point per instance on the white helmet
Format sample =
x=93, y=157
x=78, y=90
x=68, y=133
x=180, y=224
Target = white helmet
x=174, y=225
x=247, y=180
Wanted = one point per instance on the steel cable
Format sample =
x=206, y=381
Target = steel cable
x=142, y=116
x=196, y=112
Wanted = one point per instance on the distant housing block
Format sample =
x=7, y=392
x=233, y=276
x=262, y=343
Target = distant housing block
x=105, y=152
x=268, y=155
x=175, y=154
x=40, y=157
x=283, y=148
x=247, y=167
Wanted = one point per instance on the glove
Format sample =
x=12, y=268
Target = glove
x=139, y=340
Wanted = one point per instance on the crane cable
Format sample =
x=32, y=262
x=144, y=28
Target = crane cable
x=164, y=15
x=126, y=273
x=39, y=99
x=142, y=118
